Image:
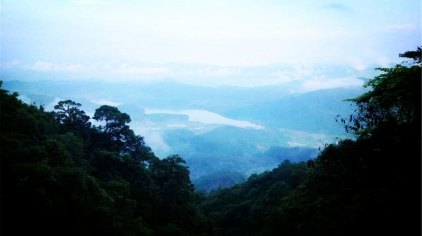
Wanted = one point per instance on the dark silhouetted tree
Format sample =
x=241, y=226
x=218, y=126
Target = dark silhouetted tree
x=394, y=97
x=69, y=114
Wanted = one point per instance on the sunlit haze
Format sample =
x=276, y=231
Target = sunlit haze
x=239, y=43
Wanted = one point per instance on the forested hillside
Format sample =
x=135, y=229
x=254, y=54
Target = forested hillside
x=370, y=185
x=63, y=175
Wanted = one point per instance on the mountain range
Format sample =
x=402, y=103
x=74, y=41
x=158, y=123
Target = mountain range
x=224, y=133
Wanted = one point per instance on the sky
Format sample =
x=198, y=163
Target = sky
x=211, y=42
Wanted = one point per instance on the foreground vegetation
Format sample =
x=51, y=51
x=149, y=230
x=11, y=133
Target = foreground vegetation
x=62, y=175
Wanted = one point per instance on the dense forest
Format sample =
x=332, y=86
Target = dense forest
x=63, y=175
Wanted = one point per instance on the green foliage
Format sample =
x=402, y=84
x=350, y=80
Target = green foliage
x=62, y=176
x=117, y=136
x=415, y=55
x=115, y=120
x=353, y=188
x=242, y=209
x=395, y=97
x=365, y=186
x=70, y=116
x=370, y=185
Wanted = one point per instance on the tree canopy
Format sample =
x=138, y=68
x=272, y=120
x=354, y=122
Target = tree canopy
x=394, y=97
x=62, y=175
x=370, y=185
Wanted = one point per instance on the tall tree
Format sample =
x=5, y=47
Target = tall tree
x=394, y=97
x=115, y=121
x=115, y=126
x=70, y=115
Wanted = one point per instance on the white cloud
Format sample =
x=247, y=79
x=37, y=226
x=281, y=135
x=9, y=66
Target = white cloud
x=402, y=27
x=25, y=99
x=153, y=137
x=131, y=69
x=10, y=64
x=176, y=126
x=219, y=72
x=318, y=84
x=106, y=102
x=295, y=78
x=227, y=33
x=309, y=139
x=384, y=61
x=51, y=105
x=54, y=67
x=358, y=64
x=94, y=70
x=284, y=77
x=156, y=141
x=88, y=2
x=337, y=6
x=294, y=144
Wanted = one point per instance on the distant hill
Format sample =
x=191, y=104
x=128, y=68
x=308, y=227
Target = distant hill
x=296, y=123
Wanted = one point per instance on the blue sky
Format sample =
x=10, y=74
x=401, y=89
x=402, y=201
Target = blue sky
x=245, y=43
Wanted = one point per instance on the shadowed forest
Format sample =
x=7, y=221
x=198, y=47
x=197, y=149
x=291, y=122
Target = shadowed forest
x=65, y=173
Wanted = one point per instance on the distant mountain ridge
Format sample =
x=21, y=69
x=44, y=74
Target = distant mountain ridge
x=296, y=123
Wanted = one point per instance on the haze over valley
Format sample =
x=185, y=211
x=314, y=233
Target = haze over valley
x=210, y=118
x=232, y=131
